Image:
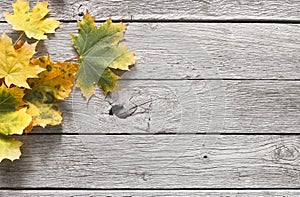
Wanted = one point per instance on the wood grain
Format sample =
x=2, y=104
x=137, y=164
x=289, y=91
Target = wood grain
x=197, y=51
x=186, y=106
x=216, y=131
x=156, y=161
x=157, y=193
x=172, y=9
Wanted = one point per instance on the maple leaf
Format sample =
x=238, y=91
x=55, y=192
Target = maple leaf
x=53, y=84
x=13, y=120
x=44, y=114
x=108, y=81
x=99, y=49
x=13, y=116
x=10, y=98
x=14, y=63
x=9, y=148
x=32, y=23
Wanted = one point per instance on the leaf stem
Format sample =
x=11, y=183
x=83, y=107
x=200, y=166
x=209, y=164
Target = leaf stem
x=73, y=58
x=19, y=38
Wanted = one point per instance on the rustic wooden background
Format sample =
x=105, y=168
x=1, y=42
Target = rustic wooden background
x=212, y=108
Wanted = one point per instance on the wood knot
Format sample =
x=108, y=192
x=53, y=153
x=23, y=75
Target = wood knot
x=286, y=153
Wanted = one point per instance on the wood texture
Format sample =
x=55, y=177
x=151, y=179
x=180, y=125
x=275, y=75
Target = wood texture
x=184, y=106
x=170, y=193
x=155, y=161
x=245, y=85
x=196, y=51
x=172, y=9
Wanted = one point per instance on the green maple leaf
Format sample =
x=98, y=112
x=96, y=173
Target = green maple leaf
x=108, y=81
x=99, y=50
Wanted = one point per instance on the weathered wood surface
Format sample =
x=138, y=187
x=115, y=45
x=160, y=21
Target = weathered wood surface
x=199, y=50
x=186, y=106
x=245, y=85
x=155, y=161
x=173, y=9
x=157, y=193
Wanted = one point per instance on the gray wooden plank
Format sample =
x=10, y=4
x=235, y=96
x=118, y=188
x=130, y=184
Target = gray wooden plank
x=172, y=9
x=186, y=106
x=196, y=51
x=154, y=161
x=170, y=193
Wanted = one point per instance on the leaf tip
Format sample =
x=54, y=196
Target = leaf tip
x=9, y=148
x=88, y=16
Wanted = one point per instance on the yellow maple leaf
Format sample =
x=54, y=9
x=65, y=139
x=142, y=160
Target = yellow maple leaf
x=10, y=98
x=11, y=120
x=9, y=148
x=44, y=114
x=57, y=77
x=32, y=23
x=53, y=84
x=14, y=122
x=15, y=65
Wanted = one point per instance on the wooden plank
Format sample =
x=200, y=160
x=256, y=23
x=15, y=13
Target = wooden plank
x=136, y=193
x=196, y=51
x=186, y=106
x=154, y=161
x=172, y=9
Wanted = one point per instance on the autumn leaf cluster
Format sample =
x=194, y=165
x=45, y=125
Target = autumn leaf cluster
x=30, y=86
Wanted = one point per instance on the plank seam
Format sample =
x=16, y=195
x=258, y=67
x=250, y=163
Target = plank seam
x=213, y=79
x=267, y=21
x=146, y=189
x=163, y=134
